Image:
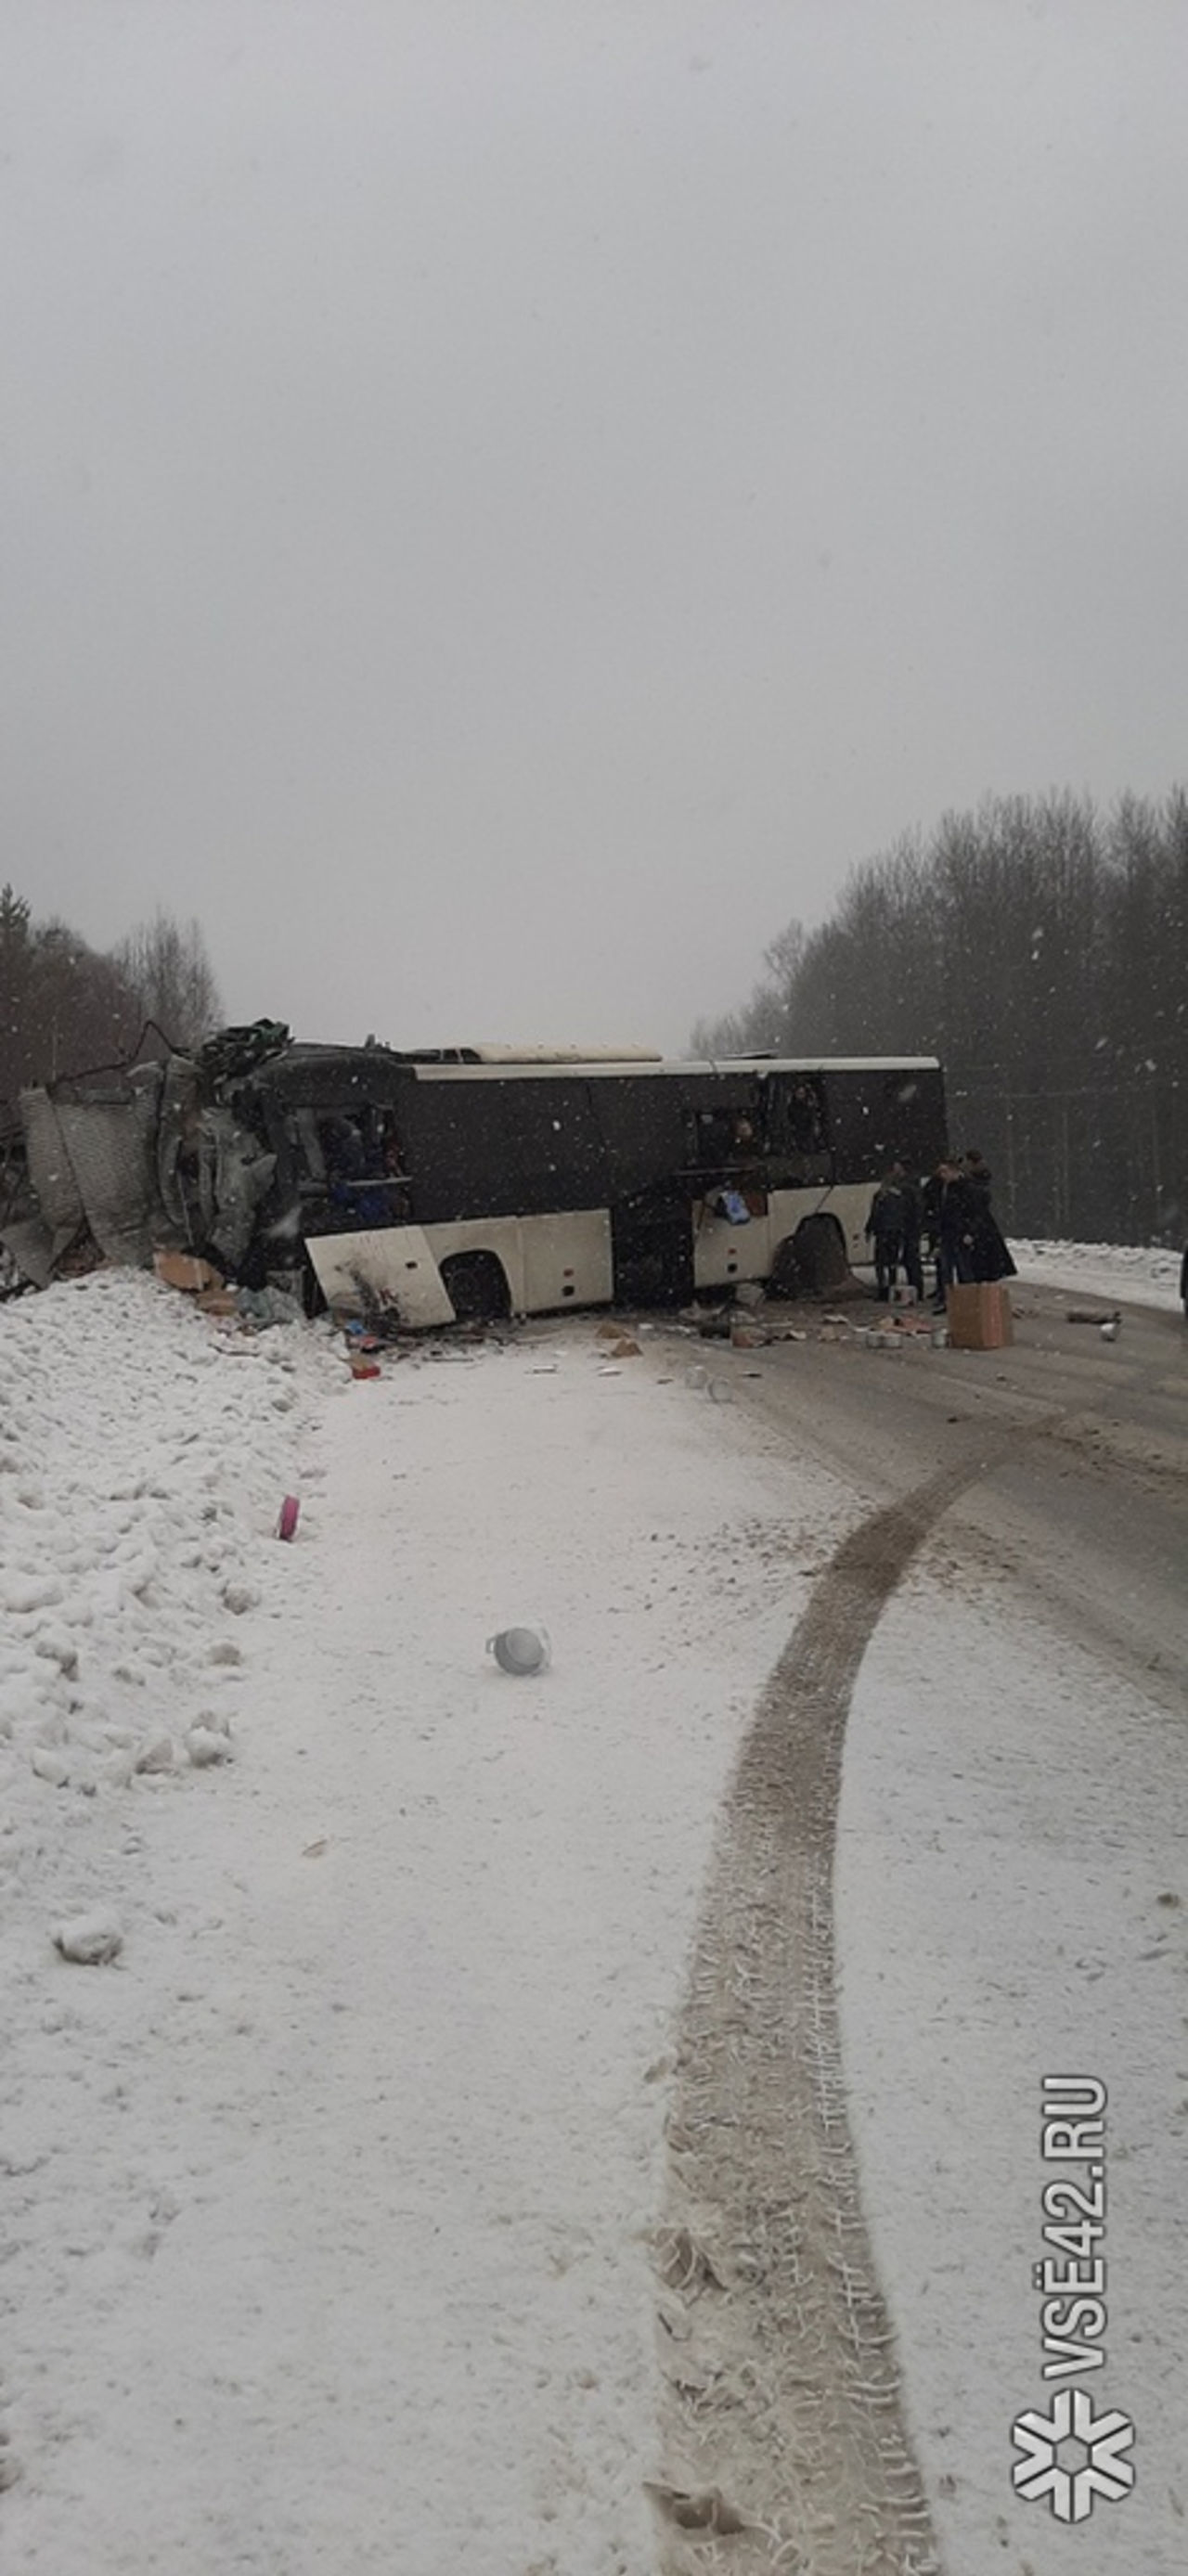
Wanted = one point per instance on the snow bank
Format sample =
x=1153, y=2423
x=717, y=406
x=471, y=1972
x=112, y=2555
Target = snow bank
x=140, y=1453
x=1113, y=1271
x=332, y=2188
x=142, y=1456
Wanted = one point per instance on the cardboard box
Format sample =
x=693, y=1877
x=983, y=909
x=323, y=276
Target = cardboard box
x=979, y=1316
x=185, y=1270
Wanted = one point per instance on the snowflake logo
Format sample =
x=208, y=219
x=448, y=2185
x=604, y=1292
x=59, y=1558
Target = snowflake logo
x=1094, y=2443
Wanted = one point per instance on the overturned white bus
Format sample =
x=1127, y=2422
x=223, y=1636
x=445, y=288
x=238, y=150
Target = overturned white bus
x=480, y=1182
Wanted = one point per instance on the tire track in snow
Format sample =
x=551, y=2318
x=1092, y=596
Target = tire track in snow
x=784, y=2439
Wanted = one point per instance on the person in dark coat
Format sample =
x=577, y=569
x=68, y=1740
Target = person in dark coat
x=885, y=1229
x=954, y=1220
x=988, y=1252
x=1184, y=1283
x=913, y=1227
x=930, y=1215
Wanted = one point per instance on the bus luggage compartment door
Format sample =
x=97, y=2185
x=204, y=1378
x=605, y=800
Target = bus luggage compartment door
x=567, y=1260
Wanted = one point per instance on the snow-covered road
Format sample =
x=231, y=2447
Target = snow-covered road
x=333, y=2202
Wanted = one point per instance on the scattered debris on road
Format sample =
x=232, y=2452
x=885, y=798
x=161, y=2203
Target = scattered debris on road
x=90, y=1940
x=521, y=1650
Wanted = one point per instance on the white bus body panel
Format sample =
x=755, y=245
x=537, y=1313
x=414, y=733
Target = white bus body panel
x=548, y=1261
x=394, y=1261
x=722, y=1252
x=555, y=1261
x=568, y=1260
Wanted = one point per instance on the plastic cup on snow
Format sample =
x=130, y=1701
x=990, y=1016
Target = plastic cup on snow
x=520, y=1650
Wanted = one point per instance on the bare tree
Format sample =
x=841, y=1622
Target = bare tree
x=66, y=1009
x=166, y=965
x=1042, y=953
x=16, y=967
x=63, y=1007
x=763, y=1022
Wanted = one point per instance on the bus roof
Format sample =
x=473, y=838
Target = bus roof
x=301, y=1058
x=547, y=1054
x=489, y=1063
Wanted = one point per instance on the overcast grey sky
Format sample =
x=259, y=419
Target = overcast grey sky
x=504, y=500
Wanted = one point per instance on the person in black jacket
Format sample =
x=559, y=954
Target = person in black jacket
x=989, y=1257
x=894, y=1224
x=931, y=1196
x=885, y=1229
x=950, y=1204
x=1184, y=1283
x=913, y=1227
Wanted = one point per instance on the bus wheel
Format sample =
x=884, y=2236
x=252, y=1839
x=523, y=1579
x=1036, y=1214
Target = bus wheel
x=819, y=1250
x=476, y=1285
x=784, y=1277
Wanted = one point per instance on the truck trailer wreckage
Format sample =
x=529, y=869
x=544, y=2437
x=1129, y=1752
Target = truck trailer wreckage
x=434, y=1186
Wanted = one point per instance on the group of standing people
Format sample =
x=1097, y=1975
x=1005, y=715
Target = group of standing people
x=950, y=1215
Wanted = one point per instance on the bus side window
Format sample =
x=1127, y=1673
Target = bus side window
x=708, y=1141
x=723, y=1139
x=806, y=1119
x=309, y=1145
x=796, y=1116
x=343, y=1150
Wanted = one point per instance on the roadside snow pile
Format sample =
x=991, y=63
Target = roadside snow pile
x=1117, y=1271
x=336, y=2080
x=142, y=1453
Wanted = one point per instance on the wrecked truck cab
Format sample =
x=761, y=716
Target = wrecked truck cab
x=128, y=1160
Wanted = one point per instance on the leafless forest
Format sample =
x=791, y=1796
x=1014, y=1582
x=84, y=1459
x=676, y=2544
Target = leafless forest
x=67, y=1008
x=1040, y=948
